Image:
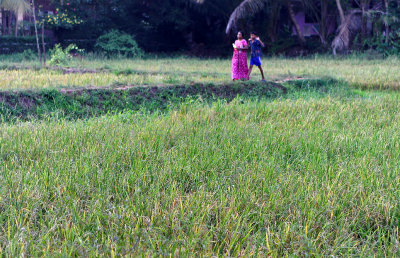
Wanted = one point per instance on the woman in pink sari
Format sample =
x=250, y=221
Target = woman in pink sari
x=239, y=60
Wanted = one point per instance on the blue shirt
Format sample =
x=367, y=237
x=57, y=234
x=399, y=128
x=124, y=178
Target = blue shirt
x=255, y=48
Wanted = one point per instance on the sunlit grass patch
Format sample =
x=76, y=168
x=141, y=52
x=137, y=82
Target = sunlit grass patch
x=360, y=73
x=303, y=177
x=192, y=164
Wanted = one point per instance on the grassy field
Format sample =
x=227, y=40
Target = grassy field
x=313, y=171
x=360, y=73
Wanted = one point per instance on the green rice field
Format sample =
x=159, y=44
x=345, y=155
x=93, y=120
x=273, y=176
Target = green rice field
x=200, y=166
x=360, y=73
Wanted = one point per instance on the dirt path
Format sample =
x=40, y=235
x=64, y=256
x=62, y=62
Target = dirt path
x=289, y=79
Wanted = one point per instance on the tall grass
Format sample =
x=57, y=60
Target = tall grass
x=358, y=72
x=299, y=177
x=314, y=172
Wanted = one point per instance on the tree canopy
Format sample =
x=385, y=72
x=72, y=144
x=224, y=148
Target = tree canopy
x=205, y=27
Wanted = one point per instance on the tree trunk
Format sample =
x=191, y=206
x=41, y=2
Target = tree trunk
x=365, y=5
x=295, y=23
x=324, y=22
x=9, y=21
x=342, y=21
x=43, y=45
x=363, y=22
x=274, y=19
x=3, y=21
x=341, y=12
x=386, y=2
x=16, y=27
x=36, y=30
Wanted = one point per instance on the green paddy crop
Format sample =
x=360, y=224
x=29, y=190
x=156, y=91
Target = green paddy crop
x=359, y=73
x=299, y=177
x=191, y=164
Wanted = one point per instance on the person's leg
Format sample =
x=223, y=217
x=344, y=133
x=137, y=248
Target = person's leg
x=250, y=69
x=258, y=63
x=262, y=72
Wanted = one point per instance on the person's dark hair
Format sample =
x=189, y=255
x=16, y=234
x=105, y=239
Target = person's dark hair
x=254, y=33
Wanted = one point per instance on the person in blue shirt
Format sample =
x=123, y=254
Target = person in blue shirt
x=256, y=44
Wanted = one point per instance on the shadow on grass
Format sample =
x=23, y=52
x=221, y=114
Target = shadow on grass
x=85, y=103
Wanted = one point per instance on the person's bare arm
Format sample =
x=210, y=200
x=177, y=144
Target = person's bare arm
x=262, y=43
x=245, y=47
x=242, y=48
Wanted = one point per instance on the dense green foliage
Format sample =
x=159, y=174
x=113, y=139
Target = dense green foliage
x=60, y=56
x=116, y=43
x=158, y=26
x=388, y=45
x=205, y=28
x=183, y=25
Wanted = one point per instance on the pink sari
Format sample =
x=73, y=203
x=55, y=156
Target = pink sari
x=239, y=61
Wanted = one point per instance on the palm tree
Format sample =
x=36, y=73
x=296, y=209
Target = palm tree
x=18, y=7
x=354, y=21
x=251, y=7
x=341, y=12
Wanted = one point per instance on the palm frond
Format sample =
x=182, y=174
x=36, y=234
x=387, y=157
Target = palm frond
x=19, y=7
x=245, y=9
x=346, y=31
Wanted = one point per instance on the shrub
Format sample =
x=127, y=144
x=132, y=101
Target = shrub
x=60, y=56
x=386, y=45
x=116, y=43
x=28, y=55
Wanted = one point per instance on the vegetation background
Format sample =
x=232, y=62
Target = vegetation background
x=205, y=28
x=116, y=144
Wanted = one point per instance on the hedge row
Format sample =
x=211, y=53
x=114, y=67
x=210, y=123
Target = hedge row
x=11, y=44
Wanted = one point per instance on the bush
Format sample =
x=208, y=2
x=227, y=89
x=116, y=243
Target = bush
x=116, y=43
x=379, y=43
x=60, y=56
x=28, y=55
